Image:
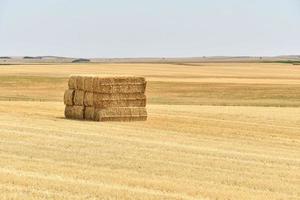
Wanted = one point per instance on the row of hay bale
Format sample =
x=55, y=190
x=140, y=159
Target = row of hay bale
x=106, y=99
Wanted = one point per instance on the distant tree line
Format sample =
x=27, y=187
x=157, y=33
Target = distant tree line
x=30, y=57
x=81, y=60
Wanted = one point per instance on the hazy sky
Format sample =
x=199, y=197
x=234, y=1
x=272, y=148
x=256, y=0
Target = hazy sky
x=149, y=28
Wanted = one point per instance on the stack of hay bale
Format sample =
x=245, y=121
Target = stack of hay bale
x=106, y=99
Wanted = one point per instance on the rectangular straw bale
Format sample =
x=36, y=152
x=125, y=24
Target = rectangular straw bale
x=88, y=83
x=88, y=99
x=80, y=82
x=118, y=96
x=122, y=80
x=89, y=113
x=120, y=103
x=69, y=112
x=129, y=88
x=72, y=82
x=119, y=84
x=74, y=112
x=78, y=112
x=79, y=97
x=137, y=112
x=122, y=89
x=127, y=80
x=120, y=114
x=69, y=97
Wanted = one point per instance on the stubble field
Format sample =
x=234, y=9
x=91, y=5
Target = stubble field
x=215, y=131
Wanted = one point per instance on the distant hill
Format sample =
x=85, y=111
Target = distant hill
x=293, y=59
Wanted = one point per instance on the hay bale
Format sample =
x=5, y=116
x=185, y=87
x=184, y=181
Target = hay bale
x=88, y=99
x=129, y=88
x=119, y=100
x=120, y=103
x=80, y=82
x=69, y=97
x=69, y=112
x=89, y=113
x=79, y=98
x=138, y=112
x=72, y=82
x=118, y=96
x=100, y=98
x=74, y=112
x=106, y=99
x=121, y=89
x=88, y=83
x=119, y=85
x=122, y=80
x=127, y=80
x=121, y=114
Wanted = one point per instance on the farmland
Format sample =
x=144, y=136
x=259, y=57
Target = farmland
x=214, y=131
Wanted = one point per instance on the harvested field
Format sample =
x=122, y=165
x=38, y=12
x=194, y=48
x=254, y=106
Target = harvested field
x=214, y=131
x=207, y=84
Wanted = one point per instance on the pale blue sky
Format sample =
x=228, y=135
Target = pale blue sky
x=149, y=28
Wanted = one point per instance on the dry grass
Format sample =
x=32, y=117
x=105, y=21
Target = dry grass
x=181, y=152
x=209, y=84
x=187, y=151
